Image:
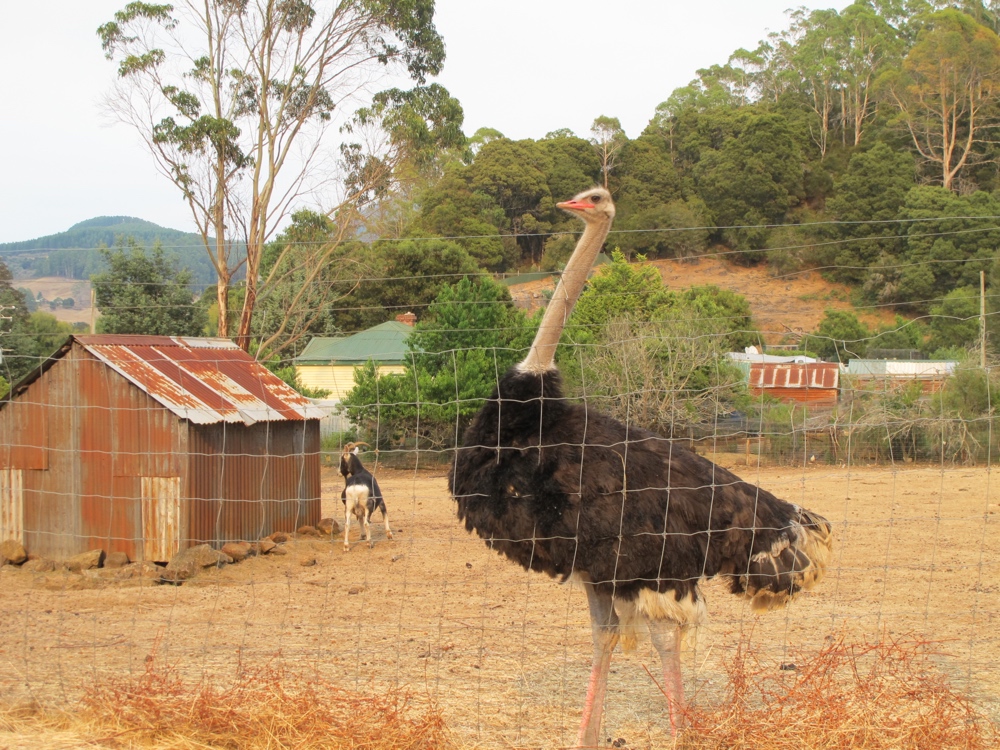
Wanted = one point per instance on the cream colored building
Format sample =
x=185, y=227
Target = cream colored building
x=329, y=363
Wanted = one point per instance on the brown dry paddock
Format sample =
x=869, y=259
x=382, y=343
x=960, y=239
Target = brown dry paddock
x=502, y=652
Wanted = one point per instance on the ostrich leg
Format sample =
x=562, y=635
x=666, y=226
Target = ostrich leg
x=666, y=637
x=604, y=625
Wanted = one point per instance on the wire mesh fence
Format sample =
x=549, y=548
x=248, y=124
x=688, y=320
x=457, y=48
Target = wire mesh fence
x=141, y=448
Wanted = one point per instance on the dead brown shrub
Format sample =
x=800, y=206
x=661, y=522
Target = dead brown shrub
x=262, y=708
x=857, y=696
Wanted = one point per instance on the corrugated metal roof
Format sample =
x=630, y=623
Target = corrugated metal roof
x=815, y=375
x=916, y=368
x=202, y=380
x=384, y=343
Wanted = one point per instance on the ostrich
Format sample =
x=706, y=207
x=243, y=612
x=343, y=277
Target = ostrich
x=635, y=518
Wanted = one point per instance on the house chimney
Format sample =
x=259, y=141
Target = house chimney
x=407, y=317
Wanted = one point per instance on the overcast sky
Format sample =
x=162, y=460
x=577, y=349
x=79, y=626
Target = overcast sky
x=524, y=67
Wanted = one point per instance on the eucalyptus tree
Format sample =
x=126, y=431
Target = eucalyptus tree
x=812, y=52
x=946, y=91
x=608, y=139
x=234, y=98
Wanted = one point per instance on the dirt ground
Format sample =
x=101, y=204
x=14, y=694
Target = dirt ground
x=505, y=653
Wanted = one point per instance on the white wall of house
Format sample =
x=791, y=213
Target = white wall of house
x=337, y=379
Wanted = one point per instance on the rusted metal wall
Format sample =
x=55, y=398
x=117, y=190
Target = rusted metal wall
x=101, y=464
x=813, y=383
x=37, y=434
x=815, y=396
x=83, y=436
x=246, y=482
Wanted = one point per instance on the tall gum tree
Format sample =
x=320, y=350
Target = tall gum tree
x=233, y=99
x=946, y=90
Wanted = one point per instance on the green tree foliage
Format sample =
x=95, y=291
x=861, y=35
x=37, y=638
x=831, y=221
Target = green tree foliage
x=653, y=357
x=868, y=197
x=945, y=247
x=901, y=334
x=840, y=336
x=308, y=272
x=725, y=313
x=146, y=293
x=514, y=175
x=954, y=320
x=574, y=166
x=616, y=290
x=401, y=276
x=17, y=347
x=470, y=335
x=452, y=208
x=969, y=394
x=753, y=179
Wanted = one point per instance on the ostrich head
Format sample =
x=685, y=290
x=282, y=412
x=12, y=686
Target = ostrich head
x=594, y=205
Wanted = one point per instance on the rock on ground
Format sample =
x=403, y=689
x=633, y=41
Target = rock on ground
x=39, y=565
x=12, y=552
x=187, y=563
x=264, y=546
x=84, y=561
x=236, y=550
x=116, y=560
x=328, y=527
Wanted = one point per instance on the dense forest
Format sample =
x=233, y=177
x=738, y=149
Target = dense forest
x=861, y=142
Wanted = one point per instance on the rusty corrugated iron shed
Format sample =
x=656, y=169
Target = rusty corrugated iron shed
x=824, y=375
x=146, y=445
x=203, y=380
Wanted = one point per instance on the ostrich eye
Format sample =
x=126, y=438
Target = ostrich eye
x=595, y=199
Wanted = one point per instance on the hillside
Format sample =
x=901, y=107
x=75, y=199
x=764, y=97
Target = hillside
x=73, y=254
x=103, y=230
x=782, y=307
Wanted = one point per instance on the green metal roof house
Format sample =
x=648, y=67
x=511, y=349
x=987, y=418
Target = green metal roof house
x=329, y=363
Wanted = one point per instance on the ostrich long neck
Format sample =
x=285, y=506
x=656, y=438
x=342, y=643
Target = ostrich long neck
x=543, y=351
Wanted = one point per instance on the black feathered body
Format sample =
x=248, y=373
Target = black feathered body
x=565, y=490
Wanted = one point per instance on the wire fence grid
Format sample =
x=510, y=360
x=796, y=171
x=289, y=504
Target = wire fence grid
x=92, y=460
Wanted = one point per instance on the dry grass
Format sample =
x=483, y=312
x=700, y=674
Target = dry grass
x=851, y=695
x=862, y=696
x=261, y=708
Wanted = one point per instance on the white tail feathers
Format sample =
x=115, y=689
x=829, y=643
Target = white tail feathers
x=795, y=563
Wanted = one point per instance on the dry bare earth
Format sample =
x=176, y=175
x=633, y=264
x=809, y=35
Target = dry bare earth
x=505, y=653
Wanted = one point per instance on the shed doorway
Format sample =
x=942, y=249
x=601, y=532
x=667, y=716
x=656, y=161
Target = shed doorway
x=12, y=505
x=161, y=517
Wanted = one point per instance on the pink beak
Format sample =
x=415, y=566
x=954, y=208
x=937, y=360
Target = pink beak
x=577, y=205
